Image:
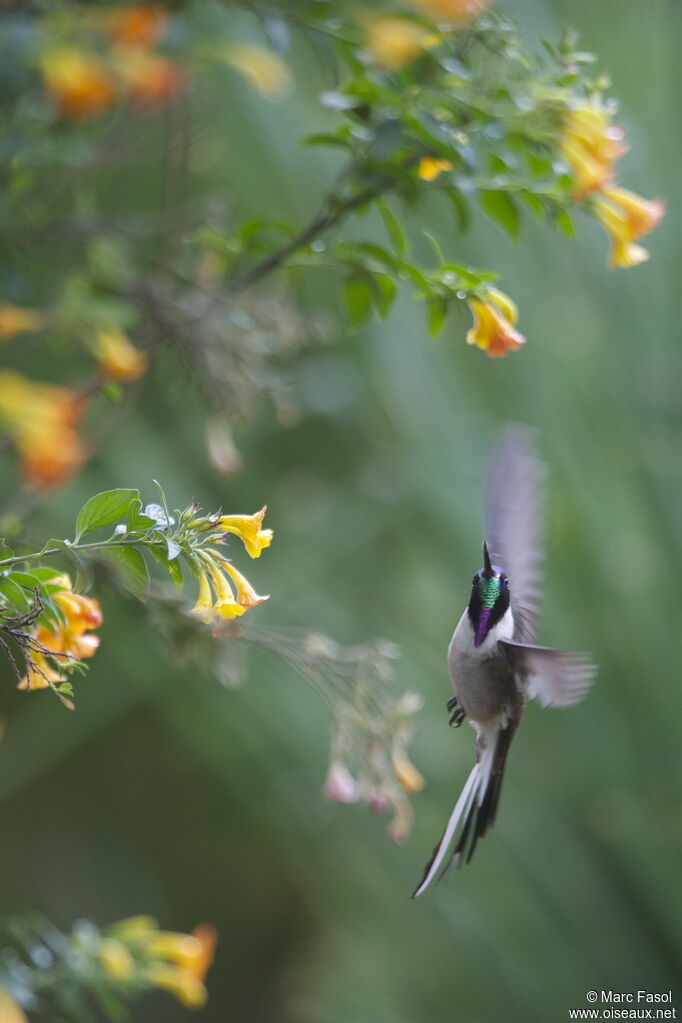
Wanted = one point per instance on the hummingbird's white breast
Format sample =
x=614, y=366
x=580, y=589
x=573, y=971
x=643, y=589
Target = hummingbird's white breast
x=481, y=678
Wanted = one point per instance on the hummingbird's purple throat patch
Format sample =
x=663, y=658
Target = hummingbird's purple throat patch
x=482, y=626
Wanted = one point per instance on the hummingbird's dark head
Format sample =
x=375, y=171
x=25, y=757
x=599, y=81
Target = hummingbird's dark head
x=489, y=598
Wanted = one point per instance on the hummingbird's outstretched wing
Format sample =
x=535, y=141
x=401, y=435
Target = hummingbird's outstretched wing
x=555, y=678
x=514, y=527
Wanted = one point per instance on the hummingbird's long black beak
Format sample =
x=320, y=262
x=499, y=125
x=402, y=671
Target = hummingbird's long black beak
x=487, y=565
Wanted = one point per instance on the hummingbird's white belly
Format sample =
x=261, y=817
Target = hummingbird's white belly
x=481, y=678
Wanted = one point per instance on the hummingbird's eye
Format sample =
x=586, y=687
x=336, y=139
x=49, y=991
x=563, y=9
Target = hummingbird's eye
x=503, y=580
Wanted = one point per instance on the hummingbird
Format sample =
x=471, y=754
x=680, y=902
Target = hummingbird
x=494, y=661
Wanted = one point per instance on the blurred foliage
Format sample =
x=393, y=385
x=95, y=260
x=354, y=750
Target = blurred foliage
x=147, y=215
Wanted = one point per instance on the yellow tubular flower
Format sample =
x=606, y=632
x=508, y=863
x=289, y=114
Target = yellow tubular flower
x=134, y=928
x=118, y=359
x=248, y=529
x=187, y=988
x=262, y=68
x=40, y=674
x=407, y=774
x=246, y=595
x=626, y=217
x=15, y=320
x=10, y=1012
x=203, y=608
x=116, y=959
x=395, y=42
x=191, y=952
x=493, y=330
x=430, y=167
x=225, y=605
x=590, y=145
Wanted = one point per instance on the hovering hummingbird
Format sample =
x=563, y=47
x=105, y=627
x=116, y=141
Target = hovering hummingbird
x=494, y=662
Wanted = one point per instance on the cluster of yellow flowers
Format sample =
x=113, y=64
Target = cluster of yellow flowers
x=394, y=42
x=135, y=954
x=83, y=85
x=66, y=641
x=40, y=418
x=217, y=599
x=591, y=145
x=136, y=950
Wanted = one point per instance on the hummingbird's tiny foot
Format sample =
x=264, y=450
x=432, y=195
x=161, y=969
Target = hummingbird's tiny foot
x=457, y=716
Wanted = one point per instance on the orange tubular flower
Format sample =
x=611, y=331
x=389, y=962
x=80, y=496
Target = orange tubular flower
x=15, y=320
x=246, y=595
x=626, y=218
x=493, y=330
x=150, y=79
x=40, y=419
x=118, y=359
x=137, y=26
x=65, y=641
x=80, y=85
x=590, y=146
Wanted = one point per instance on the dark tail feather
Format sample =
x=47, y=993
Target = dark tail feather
x=481, y=815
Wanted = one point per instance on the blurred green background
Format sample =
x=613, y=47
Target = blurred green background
x=168, y=794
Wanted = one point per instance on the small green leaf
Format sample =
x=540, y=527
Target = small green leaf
x=5, y=551
x=358, y=297
x=501, y=208
x=563, y=221
x=395, y=231
x=131, y=567
x=320, y=139
x=385, y=292
x=436, y=311
x=435, y=245
x=103, y=509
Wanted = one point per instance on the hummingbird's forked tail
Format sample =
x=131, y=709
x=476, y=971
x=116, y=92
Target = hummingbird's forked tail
x=475, y=809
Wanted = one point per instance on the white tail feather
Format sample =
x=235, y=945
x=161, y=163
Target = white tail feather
x=474, y=788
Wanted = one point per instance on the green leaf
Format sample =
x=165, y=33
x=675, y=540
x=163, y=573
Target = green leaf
x=322, y=139
x=385, y=292
x=14, y=595
x=436, y=311
x=103, y=509
x=501, y=208
x=358, y=298
x=131, y=567
x=393, y=228
x=435, y=245
x=136, y=520
x=5, y=551
x=563, y=221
